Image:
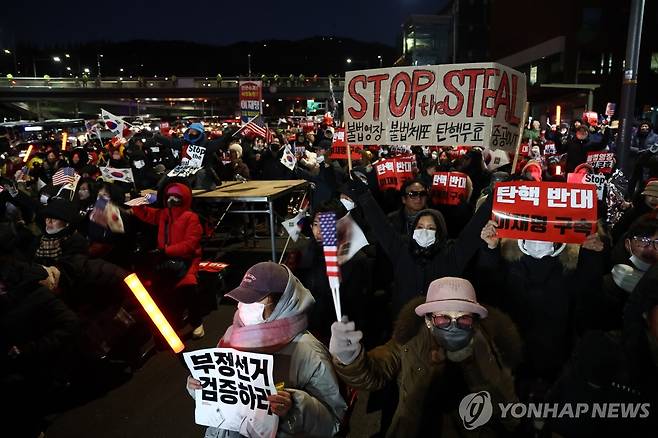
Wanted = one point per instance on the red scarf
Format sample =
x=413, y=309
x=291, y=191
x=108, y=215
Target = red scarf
x=266, y=337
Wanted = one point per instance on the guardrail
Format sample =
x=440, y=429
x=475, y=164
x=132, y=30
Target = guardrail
x=169, y=82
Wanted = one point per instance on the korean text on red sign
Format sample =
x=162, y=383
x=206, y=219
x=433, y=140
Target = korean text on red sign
x=548, y=211
x=235, y=386
x=449, y=188
x=392, y=173
x=339, y=147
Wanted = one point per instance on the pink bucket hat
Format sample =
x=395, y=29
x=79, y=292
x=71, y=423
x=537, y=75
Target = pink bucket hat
x=451, y=294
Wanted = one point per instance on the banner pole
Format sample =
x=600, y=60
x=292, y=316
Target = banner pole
x=349, y=158
x=518, y=140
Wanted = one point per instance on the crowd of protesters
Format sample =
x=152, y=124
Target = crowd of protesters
x=437, y=305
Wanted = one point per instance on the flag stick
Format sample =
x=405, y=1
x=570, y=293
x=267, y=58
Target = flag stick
x=335, y=294
x=288, y=239
x=349, y=158
x=518, y=140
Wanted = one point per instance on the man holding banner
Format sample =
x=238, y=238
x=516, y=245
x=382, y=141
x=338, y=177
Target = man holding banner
x=542, y=250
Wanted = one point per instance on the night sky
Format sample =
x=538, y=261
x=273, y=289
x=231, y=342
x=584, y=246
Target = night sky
x=206, y=21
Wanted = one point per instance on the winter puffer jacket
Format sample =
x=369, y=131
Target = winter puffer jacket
x=303, y=364
x=179, y=231
x=431, y=386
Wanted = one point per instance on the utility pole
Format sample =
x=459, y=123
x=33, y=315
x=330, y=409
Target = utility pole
x=249, y=64
x=455, y=25
x=629, y=83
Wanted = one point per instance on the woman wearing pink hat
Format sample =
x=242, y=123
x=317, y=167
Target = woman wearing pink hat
x=456, y=347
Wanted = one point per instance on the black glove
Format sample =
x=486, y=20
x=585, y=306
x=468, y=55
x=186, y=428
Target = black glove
x=357, y=185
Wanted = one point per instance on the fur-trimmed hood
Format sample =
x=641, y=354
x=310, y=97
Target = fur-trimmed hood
x=509, y=249
x=498, y=327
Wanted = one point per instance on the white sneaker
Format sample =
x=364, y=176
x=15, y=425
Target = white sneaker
x=198, y=332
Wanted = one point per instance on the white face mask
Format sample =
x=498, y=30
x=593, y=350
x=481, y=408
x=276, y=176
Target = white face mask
x=251, y=314
x=639, y=264
x=347, y=203
x=626, y=277
x=538, y=249
x=424, y=238
x=54, y=230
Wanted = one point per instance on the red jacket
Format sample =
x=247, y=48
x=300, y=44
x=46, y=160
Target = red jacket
x=179, y=231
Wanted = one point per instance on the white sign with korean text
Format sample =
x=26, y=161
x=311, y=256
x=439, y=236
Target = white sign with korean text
x=235, y=387
x=453, y=104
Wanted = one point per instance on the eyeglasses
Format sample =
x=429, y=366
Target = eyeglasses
x=444, y=321
x=646, y=242
x=416, y=194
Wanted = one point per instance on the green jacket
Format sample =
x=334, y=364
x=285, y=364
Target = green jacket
x=430, y=385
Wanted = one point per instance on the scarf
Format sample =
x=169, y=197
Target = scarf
x=49, y=247
x=267, y=337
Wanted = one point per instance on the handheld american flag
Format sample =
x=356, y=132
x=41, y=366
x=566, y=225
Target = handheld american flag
x=65, y=175
x=330, y=247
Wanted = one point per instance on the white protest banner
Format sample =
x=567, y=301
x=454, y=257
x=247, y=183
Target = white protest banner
x=235, y=386
x=193, y=155
x=251, y=97
x=183, y=171
x=453, y=104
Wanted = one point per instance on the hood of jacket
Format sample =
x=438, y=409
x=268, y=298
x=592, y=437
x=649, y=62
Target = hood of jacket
x=509, y=249
x=186, y=194
x=199, y=127
x=295, y=300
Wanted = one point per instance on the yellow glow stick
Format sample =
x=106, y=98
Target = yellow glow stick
x=27, y=154
x=558, y=113
x=65, y=137
x=154, y=312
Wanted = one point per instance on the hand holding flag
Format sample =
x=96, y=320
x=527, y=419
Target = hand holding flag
x=330, y=247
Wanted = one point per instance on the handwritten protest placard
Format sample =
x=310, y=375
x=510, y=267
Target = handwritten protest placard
x=235, y=387
x=467, y=104
x=547, y=211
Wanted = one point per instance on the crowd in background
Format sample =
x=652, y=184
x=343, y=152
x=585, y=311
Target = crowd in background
x=549, y=321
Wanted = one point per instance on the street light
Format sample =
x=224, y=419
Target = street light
x=67, y=55
x=349, y=60
x=86, y=70
x=34, y=62
x=7, y=52
x=380, y=59
x=57, y=59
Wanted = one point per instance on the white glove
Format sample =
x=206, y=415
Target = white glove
x=345, y=342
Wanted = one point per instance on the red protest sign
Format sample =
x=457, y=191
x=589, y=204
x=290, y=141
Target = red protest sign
x=547, y=211
x=449, y=188
x=392, y=173
x=525, y=149
x=339, y=147
x=603, y=162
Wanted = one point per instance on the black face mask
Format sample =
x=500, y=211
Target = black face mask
x=194, y=137
x=452, y=338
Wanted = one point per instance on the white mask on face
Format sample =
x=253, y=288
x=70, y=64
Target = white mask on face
x=54, y=230
x=251, y=314
x=538, y=249
x=347, y=203
x=626, y=277
x=424, y=238
x=639, y=264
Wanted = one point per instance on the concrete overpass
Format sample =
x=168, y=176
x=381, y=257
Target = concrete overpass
x=52, y=89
